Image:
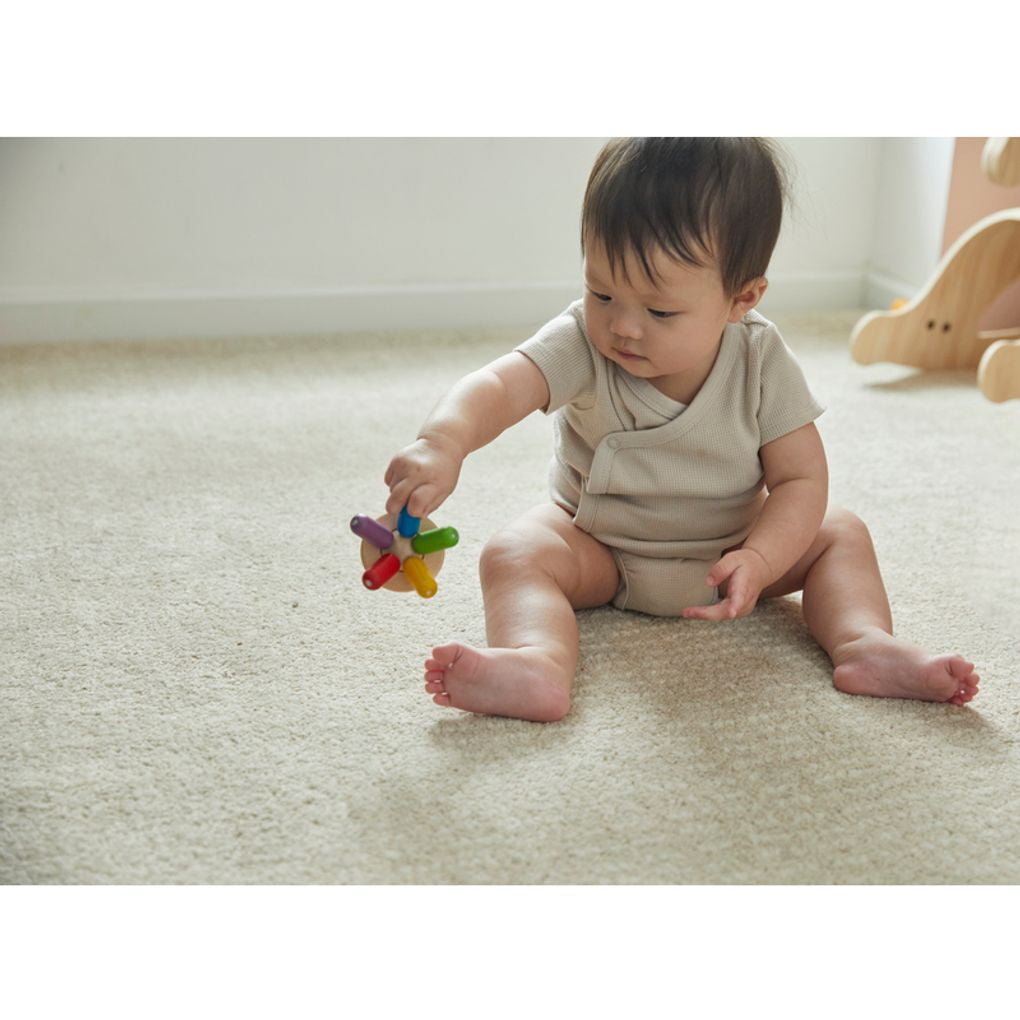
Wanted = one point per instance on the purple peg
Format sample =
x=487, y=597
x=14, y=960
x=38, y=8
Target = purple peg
x=372, y=531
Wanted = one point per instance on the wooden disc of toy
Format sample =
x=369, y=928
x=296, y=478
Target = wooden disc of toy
x=402, y=548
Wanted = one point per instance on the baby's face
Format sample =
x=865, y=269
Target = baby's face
x=667, y=332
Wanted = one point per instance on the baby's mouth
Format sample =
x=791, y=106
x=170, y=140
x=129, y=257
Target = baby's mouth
x=629, y=357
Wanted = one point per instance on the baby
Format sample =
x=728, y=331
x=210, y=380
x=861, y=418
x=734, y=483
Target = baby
x=689, y=479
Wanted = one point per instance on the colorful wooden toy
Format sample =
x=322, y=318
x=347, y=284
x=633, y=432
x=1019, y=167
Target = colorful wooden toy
x=411, y=557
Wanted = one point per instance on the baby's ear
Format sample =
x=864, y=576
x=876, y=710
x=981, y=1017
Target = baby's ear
x=750, y=294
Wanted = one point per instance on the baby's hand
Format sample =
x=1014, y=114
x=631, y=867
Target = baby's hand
x=422, y=475
x=747, y=574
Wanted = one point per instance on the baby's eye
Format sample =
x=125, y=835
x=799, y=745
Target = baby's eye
x=661, y=315
x=601, y=297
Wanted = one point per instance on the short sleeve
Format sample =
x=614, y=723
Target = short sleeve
x=564, y=356
x=786, y=401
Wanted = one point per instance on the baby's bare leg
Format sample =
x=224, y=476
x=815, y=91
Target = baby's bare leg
x=847, y=611
x=534, y=574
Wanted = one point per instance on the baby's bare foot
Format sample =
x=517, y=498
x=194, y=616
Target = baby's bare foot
x=885, y=667
x=520, y=682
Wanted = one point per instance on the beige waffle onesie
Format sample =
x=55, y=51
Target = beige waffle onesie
x=667, y=487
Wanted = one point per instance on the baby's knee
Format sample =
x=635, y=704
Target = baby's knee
x=517, y=549
x=846, y=527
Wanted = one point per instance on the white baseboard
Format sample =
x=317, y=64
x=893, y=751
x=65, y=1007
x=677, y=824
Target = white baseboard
x=39, y=317
x=173, y=316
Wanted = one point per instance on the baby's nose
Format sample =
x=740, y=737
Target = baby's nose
x=626, y=327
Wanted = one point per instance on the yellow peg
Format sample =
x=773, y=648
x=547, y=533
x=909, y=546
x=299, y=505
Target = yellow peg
x=423, y=581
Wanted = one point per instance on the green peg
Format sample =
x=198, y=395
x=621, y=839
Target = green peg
x=433, y=541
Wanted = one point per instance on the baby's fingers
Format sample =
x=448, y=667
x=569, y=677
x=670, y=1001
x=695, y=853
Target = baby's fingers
x=399, y=496
x=420, y=500
x=424, y=500
x=724, y=610
x=398, y=469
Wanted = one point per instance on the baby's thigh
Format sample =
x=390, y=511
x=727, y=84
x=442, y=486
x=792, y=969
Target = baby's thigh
x=662, y=587
x=545, y=541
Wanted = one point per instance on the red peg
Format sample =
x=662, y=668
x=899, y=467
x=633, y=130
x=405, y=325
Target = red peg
x=381, y=571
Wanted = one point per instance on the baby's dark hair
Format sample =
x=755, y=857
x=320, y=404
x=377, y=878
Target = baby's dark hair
x=695, y=198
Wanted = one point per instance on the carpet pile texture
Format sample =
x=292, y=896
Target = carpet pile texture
x=196, y=688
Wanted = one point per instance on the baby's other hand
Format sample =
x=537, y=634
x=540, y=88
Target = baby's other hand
x=745, y=574
x=422, y=475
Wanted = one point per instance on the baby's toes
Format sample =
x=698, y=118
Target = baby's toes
x=960, y=667
x=444, y=656
x=438, y=692
x=968, y=688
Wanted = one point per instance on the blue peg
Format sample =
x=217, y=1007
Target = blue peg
x=407, y=525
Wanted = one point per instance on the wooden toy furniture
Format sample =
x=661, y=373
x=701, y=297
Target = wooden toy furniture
x=938, y=329
x=410, y=558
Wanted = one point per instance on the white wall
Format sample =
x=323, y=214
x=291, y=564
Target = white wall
x=823, y=251
x=166, y=237
x=908, y=217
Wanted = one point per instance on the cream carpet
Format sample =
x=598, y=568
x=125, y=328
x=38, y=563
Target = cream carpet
x=196, y=688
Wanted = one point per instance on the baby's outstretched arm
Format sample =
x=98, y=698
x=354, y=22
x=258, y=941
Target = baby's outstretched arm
x=797, y=478
x=474, y=412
